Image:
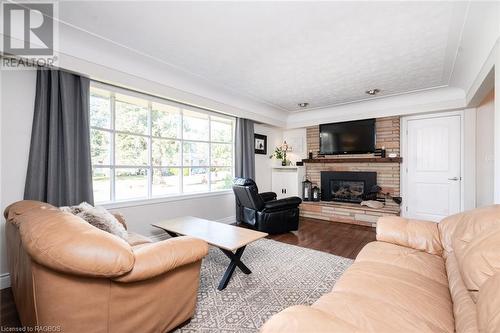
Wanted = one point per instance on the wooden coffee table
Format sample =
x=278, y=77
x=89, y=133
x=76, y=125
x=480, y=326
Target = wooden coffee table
x=229, y=239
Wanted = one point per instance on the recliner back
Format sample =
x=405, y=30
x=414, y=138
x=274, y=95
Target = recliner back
x=247, y=193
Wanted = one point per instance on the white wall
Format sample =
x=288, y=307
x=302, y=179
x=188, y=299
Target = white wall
x=496, y=138
x=220, y=207
x=17, y=102
x=297, y=140
x=469, y=160
x=481, y=32
x=485, y=151
x=263, y=163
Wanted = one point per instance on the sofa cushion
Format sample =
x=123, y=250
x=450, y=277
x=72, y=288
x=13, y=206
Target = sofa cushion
x=406, y=258
x=389, y=288
x=481, y=259
x=488, y=306
x=474, y=237
x=135, y=239
x=464, y=308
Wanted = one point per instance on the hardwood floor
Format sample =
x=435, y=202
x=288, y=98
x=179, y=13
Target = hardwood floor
x=341, y=239
x=8, y=312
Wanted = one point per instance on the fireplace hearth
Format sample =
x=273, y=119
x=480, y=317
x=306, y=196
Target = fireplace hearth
x=346, y=186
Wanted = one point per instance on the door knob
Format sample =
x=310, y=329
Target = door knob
x=455, y=178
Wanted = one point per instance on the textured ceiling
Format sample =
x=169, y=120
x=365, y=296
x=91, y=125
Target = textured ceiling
x=284, y=53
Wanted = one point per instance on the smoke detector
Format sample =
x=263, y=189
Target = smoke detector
x=372, y=92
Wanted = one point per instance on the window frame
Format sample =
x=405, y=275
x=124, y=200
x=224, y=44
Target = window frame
x=150, y=167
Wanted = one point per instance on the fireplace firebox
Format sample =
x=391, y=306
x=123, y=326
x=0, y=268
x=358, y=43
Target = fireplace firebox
x=346, y=186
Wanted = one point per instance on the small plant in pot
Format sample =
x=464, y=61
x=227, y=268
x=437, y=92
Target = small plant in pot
x=280, y=154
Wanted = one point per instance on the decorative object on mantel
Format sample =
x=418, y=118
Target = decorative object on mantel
x=306, y=190
x=280, y=153
x=299, y=163
x=373, y=204
x=316, y=193
x=310, y=154
x=380, y=152
x=260, y=142
x=393, y=155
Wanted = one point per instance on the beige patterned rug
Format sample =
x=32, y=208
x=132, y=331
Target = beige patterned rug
x=282, y=275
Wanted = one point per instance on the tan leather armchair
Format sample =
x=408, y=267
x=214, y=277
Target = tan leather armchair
x=68, y=274
x=418, y=276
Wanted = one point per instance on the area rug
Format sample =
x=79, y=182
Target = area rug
x=282, y=275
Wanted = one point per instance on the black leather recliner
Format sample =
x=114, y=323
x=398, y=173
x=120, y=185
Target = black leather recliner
x=262, y=211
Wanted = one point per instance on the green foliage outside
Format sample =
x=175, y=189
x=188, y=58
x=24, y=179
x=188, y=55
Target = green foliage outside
x=132, y=149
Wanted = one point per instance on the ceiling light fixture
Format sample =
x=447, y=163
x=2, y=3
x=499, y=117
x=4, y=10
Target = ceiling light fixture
x=372, y=92
x=303, y=105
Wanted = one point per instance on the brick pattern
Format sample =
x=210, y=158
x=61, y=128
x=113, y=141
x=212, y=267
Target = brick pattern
x=388, y=174
x=345, y=212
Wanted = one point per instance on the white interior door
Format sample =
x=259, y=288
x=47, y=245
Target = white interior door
x=433, y=180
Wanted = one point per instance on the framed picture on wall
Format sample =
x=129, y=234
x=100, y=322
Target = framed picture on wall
x=260, y=143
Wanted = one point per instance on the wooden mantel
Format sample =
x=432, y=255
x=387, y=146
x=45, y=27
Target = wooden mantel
x=355, y=160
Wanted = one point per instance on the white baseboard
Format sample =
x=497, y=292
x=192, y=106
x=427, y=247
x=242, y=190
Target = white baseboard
x=4, y=280
x=159, y=237
x=227, y=220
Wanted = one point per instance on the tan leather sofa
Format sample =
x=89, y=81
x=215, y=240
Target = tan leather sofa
x=417, y=277
x=70, y=275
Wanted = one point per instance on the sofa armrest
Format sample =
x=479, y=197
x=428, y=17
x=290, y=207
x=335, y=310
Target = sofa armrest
x=66, y=243
x=154, y=259
x=416, y=234
x=268, y=196
x=291, y=202
x=302, y=318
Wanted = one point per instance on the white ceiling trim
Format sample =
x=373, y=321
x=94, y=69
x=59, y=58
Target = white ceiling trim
x=368, y=99
x=433, y=100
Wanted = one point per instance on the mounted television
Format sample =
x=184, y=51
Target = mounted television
x=350, y=137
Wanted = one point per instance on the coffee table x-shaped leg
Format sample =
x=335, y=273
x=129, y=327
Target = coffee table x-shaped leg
x=235, y=258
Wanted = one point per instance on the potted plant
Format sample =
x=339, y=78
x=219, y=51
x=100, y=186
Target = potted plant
x=280, y=154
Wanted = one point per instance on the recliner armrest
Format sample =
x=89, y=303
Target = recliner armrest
x=154, y=259
x=291, y=202
x=415, y=234
x=268, y=196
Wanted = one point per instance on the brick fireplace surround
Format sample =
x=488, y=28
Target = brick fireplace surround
x=388, y=177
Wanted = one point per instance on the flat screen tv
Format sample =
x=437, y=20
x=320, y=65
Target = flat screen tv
x=350, y=137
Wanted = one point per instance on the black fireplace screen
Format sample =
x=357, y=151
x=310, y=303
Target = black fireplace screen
x=347, y=190
x=348, y=186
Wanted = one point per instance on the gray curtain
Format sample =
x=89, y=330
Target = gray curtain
x=244, y=151
x=59, y=168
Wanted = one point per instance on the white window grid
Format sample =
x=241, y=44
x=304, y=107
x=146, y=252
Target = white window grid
x=149, y=137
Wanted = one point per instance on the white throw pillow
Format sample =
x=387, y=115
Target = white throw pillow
x=99, y=217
